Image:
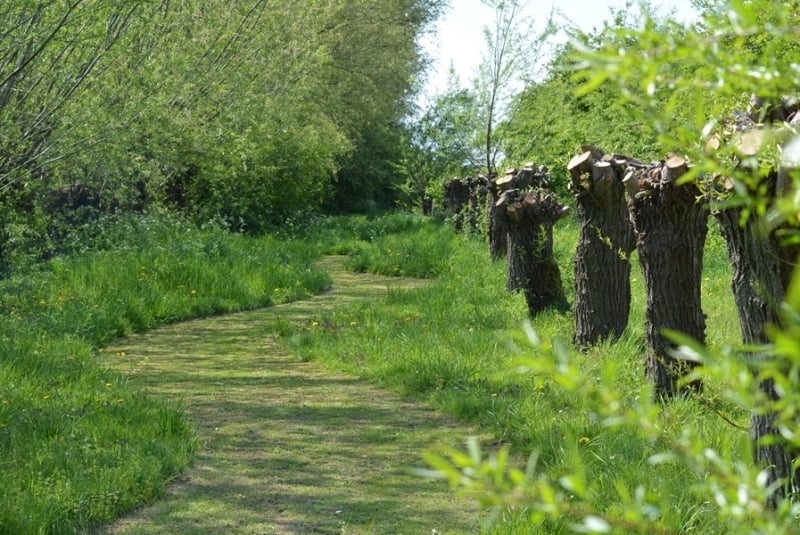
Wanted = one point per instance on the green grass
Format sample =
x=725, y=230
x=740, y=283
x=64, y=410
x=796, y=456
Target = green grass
x=78, y=444
x=454, y=343
x=288, y=445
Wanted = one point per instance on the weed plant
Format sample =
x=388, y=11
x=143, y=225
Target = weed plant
x=78, y=444
x=454, y=343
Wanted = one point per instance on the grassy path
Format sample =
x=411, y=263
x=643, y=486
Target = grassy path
x=287, y=446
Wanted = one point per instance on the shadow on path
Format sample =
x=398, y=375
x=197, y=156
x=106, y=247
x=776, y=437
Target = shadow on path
x=288, y=446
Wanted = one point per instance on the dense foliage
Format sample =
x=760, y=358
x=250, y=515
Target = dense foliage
x=245, y=114
x=241, y=111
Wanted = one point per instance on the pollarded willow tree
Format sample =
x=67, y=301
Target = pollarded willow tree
x=529, y=217
x=606, y=239
x=738, y=48
x=670, y=223
x=762, y=262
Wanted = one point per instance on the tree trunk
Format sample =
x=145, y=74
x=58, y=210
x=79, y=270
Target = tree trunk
x=602, y=258
x=464, y=198
x=788, y=253
x=532, y=268
x=523, y=179
x=762, y=269
x=670, y=227
x=456, y=196
x=758, y=289
x=478, y=192
x=498, y=233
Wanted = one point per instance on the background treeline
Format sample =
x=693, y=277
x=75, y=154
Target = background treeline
x=242, y=112
x=566, y=102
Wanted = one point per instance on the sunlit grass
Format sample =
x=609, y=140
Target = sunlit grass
x=453, y=343
x=78, y=444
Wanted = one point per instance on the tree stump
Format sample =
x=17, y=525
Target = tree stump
x=529, y=218
x=463, y=199
x=757, y=290
x=670, y=226
x=602, y=265
x=456, y=197
x=478, y=193
x=762, y=269
x=527, y=177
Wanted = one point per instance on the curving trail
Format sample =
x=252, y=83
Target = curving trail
x=288, y=446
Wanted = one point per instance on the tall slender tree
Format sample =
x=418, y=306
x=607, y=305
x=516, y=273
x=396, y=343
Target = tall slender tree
x=509, y=63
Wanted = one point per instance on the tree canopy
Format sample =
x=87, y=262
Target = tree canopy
x=242, y=111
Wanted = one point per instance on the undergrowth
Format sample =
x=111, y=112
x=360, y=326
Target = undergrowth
x=78, y=444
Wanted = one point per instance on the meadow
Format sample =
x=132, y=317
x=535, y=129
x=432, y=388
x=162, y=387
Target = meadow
x=80, y=444
x=456, y=344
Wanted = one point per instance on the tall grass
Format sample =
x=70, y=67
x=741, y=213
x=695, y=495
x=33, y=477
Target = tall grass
x=454, y=343
x=78, y=444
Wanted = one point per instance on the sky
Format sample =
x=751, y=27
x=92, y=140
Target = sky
x=459, y=36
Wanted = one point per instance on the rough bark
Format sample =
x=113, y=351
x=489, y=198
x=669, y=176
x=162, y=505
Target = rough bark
x=762, y=268
x=758, y=290
x=456, y=197
x=528, y=177
x=497, y=231
x=602, y=258
x=671, y=226
x=464, y=199
x=529, y=218
x=478, y=193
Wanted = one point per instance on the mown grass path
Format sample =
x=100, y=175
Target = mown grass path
x=286, y=445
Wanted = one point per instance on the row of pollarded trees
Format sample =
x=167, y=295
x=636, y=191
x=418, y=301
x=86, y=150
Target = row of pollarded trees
x=623, y=204
x=662, y=218
x=520, y=217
